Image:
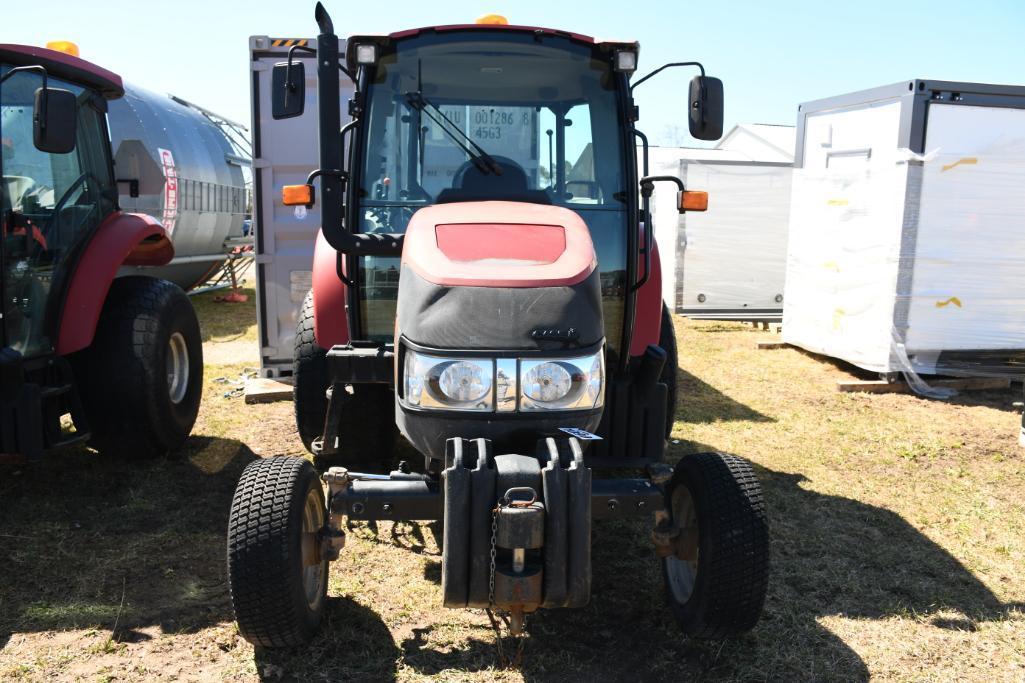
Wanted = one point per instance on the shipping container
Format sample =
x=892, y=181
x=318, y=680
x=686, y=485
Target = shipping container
x=907, y=229
x=285, y=151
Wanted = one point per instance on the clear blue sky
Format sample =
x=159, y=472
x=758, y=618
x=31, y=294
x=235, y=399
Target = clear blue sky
x=771, y=55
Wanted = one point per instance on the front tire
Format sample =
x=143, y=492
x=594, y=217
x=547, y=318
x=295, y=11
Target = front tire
x=277, y=575
x=717, y=581
x=142, y=377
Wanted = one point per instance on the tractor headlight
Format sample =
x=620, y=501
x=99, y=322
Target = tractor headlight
x=449, y=383
x=525, y=384
x=562, y=384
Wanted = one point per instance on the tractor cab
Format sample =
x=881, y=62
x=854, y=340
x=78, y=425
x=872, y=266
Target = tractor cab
x=492, y=114
x=57, y=187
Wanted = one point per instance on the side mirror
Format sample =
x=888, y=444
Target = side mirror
x=706, y=108
x=54, y=120
x=288, y=90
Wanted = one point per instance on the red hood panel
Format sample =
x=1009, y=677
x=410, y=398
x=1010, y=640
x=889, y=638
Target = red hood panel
x=499, y=244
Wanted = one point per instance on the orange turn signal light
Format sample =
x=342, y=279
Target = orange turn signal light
x=693, y=200
x=297, y=195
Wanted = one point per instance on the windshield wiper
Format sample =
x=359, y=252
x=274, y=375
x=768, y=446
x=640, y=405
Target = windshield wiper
x=484, y=162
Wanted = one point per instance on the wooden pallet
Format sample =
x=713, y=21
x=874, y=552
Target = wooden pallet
x=884, y=387
x=267, y=390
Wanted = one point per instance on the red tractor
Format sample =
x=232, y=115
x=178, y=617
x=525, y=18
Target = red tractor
x=122, y=356
x=486, y=283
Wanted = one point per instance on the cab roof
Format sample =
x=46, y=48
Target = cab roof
x=61, y=65
x=606, y=45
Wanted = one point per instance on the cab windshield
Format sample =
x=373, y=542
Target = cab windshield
x=492, y=114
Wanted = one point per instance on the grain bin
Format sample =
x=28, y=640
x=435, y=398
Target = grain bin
x=187, y=174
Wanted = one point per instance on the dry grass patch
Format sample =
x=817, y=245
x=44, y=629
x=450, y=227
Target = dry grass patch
x=897, y=529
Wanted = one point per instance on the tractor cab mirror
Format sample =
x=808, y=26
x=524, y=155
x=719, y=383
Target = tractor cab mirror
x=54, y=120
x=706, y=108
x=288, y=89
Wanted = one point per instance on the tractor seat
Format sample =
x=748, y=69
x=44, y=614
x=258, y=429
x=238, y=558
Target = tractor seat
x=470, y=184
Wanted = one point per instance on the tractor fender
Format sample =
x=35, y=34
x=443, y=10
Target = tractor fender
x=330, y=321
x=122, y=239
x=648, y=309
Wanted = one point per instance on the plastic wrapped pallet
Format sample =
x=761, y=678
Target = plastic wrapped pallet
x=907, y=230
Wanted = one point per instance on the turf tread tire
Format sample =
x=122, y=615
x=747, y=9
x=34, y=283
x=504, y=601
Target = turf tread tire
x=733, y=551
x=265, y=553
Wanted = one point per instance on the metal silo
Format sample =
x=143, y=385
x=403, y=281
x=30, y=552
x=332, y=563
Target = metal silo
x=187, y=174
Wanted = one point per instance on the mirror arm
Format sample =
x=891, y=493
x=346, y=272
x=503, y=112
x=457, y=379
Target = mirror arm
x=288, y=69
x=648, y=183
x=663, y=68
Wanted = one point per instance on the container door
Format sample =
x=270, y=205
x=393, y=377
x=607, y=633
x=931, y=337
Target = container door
x=284, y=153
x=846, y=213
x=968, y=292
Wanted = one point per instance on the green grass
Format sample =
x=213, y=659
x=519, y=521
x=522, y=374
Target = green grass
x=897, y=528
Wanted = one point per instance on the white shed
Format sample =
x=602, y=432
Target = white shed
x=729, y=262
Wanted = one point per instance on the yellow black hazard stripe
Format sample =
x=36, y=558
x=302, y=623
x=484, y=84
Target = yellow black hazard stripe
x=288, y=42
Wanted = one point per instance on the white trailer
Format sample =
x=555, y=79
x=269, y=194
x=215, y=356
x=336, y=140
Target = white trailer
x=907, y=229
x=727, y=263
x=284, y=153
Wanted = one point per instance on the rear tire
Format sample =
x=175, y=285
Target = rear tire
x=721, y=591
x=667, y=340
x=366, y=430
x=277, y=590
x=309, y=378
x=141, y=379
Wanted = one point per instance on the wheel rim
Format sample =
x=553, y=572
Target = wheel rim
x=177, y=367
x=681, y=575
x=313, y=563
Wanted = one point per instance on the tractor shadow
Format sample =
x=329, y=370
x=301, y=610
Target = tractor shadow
x=352, y=644
x=699, y=402
x=93, y=541
x=832, y=556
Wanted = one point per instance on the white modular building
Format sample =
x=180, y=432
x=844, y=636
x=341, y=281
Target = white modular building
x=907, y=229
x=727, y=263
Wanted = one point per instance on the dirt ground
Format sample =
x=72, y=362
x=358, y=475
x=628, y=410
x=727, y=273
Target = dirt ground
x=897, y=527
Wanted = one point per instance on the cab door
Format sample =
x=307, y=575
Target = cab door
x=51, y=204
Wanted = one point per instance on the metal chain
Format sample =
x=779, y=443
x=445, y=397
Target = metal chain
x=503, y=661
x=494, y=541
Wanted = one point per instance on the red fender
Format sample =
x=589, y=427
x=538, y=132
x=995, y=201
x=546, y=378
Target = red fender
x=648, y=311
x=330, y=321
x=122, y=239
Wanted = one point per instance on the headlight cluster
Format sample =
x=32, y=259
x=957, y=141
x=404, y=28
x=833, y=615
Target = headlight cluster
x=504, y=384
